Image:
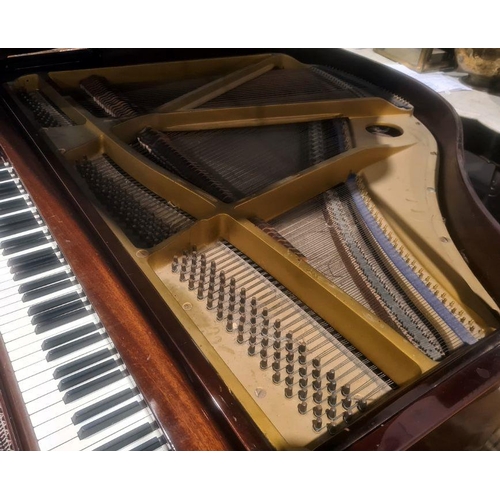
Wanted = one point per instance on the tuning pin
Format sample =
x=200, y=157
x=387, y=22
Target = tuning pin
x=316, y=385
x=317, y=424
x=264, y=364
x=276, y=377
x=210, y=301
x=201, y=291
x=302, y=394
x=362, y=405
x=265, y=317
x=289, y=368
x=220, y=311
x=331, y=413
x=290, y=357
x=253, y=306
x=316, y=372
x=303, y=371
x=330, y=375
x=264, y=342
x=346, y=389
x=289, y=392
x=332, y=400
x=191, y=281
x=229, y=324
x=347, y=416
x=264, y=332
x=318, y=397
x=331, y=387
x=277, y=329
x=175, y=264
x=289, y=380
x=302, y=408
x=222, y=278
x=251, y=350
x=318, y=411
x=303, y=382
x=221, y=293
x=332, y=428
x=347, y=402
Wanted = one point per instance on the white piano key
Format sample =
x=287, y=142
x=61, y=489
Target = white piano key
x=19, y=310
x=13, y=289
x=64, y=420
x=33, y=375
x=33, y=353
x=65, y=440
x=46, y=389
x=6, y=285
x=60, y=408
x=48, y=394
x=16, y=351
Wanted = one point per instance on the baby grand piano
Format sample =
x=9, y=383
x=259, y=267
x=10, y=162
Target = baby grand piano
x=235, y=249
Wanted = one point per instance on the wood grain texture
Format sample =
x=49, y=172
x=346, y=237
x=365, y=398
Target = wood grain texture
x=161, y=381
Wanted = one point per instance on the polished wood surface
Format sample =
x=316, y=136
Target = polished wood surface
x=160, y=379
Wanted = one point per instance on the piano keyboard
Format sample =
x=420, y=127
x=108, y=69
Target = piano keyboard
x=77, y=391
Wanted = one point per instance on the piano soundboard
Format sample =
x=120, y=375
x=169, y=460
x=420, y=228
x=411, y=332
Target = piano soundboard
x=286, y=214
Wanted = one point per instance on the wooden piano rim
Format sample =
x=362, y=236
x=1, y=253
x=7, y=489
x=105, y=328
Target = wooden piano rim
x=447, y=135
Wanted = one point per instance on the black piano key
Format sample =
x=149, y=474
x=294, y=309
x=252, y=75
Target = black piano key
x=93, y=385
x=41, y=282
x=112, y=418
x=21, y=243
x=57, y=312
x=18, y=227
x=31, y=257
x=41, y=267
x=85, y=375
x=127, y=438
x=9, y=189
x=8, y=220
x=151, y=444
x=64, y=350
x=5, y=175
x=6, y=207
x=80, y=363
x=64, y=338
x=34, y=265
x=62, y=320
x=100, y=407
x=46, y=290
x=53, y=307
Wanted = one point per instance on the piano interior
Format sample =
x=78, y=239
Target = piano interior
x=286, y=214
